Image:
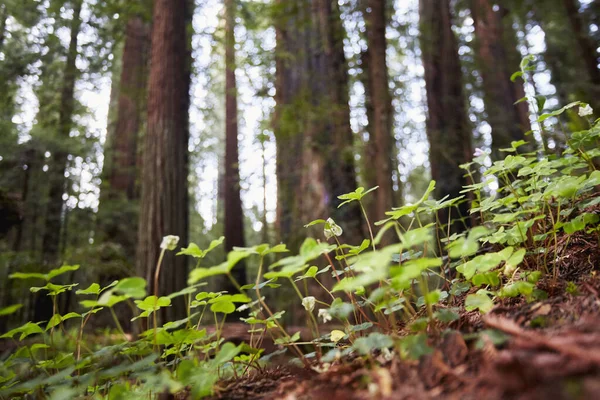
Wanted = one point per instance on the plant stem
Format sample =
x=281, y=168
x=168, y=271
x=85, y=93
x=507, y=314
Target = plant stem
x=368, y=224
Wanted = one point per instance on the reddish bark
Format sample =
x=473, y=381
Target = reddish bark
x=56, y=168
x=378, y=166
x=448, y=130
x=164, y=200
x=500, y=93
x=234, y=216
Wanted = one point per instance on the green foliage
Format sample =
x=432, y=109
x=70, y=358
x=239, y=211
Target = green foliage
x=425, y=279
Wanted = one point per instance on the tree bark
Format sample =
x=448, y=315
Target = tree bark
x=234, y=215
x=315, y=160
x=290, y=120
x=499, y=92
x=57, y=166
x=587, y=49
x=448, y=131
x=380, y=148
x=333, y=134
x=164, y=199
x=121, y=157
x=3, y=18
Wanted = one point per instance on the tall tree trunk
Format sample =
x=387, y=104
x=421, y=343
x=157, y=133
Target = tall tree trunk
x=164, y=200
x=587, y=49
x=380, y=148
x=499, y=92
x=330, y=86
x=315, y=161
x=447, y=127
x=121, y=189
x=291, y=117
x=58, y=164
x=571, y=71
x=234, y=215
x=513, y=59
x=3, y=19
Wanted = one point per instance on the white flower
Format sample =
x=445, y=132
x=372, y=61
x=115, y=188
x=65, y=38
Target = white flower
x=479, y=152
x=585, y=110
x=169, y=242
x=323, y=313
x=321, y=368
x=308, y=303
x=332, y=229
x=387, y=354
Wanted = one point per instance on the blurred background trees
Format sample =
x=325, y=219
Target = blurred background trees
x=122, y=122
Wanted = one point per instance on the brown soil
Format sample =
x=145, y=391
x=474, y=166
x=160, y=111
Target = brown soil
x=552, y=351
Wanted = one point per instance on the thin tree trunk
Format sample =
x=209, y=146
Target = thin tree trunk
x=58, y=164
x=380, y=148
x=500, y=95
x=164, y=200
x=447, y=127
x=234, y=214
x=265, y=223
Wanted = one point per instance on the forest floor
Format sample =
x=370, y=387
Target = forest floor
x=539, y=350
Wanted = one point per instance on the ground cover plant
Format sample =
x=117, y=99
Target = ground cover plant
x=506, y=308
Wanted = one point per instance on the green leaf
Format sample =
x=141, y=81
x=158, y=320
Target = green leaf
x=226, y=353
x=55, y=320
x=446, y=315
x=513, y=78
x=153, y=303
x=515, y=259
x=94, y=288
x=517, y=288
x=544, y=117
x=225, y=307
x=480, y=301
x=417, y=237
x=10, y=309
x=25, y=330
x=465, y=247
x=315, y=222
x=357, y=195
x=312, y=272
x=194, y=251
x=132, y=287
x=415, y=346
x=47, y=277
x=486, y=278
x=375, y=341
x=224, y=268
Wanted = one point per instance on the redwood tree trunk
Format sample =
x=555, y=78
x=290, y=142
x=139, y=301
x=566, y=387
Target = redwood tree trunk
x=332, y=132
x=499, y=92
x=380, y=148
x=448, y=131
x=587, y=49
x=315, y=161
x=3, y=18
x=290, y=120
x=234, y=215
x=57, y=166
x=122, y=157
x=164, y=200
